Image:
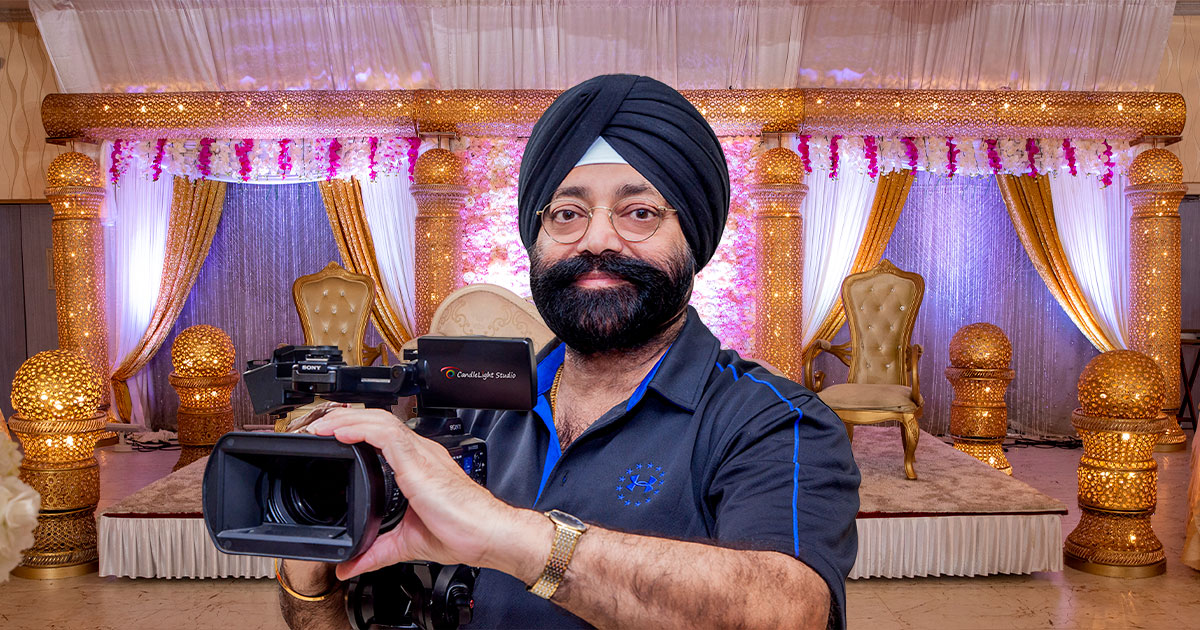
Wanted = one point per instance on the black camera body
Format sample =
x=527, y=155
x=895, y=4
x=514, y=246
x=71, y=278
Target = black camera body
x=309, y=497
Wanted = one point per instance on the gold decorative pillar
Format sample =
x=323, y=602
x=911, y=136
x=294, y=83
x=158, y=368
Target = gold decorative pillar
x=56, y=395
x=979, y=358
x=777, y=192
x=75, y=190
x=440, y=190
x=1155, y=190
x=1119, y=420
x=202, y=357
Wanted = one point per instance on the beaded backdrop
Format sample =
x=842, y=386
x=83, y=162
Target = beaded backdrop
x=492, y=250
x=268, y=236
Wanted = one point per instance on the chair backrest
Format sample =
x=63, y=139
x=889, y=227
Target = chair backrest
x=334, y=306
x=491, y=311
x=881, y=308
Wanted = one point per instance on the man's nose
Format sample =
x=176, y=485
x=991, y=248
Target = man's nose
x=600, y=236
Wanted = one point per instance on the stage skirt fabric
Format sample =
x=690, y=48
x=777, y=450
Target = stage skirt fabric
x=172, y=547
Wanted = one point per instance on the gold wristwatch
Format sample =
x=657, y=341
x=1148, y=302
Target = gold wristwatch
x=567, y=530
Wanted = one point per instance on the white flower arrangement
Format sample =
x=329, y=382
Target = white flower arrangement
x=19, y=505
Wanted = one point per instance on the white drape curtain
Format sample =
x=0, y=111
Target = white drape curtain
x=183, y=45
x=137, y=212
x=1093, y=226
x=391, y=216
x=835, y=216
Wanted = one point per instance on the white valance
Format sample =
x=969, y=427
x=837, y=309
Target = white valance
x=187, y=45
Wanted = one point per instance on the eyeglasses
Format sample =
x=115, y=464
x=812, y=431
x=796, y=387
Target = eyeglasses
x=634, y=220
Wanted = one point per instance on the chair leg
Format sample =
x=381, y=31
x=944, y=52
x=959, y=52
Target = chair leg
x=910, y=433
x=849, y=431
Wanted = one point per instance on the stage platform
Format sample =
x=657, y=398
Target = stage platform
x=960, y=518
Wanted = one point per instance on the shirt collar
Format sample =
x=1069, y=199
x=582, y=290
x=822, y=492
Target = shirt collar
x=679, y=376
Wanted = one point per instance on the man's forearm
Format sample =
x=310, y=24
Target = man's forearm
x=312, y=578
x=624, y=580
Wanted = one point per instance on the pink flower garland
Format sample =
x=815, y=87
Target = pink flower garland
x=285, y=157
x=114, y=160
x=1031, y=150
x=159, y=149
x=804, y=157
x=871, y=150
x=1069, y=151
x=414, y=148
x=331, y=171
x=833, y=156
x=1107, y=179
x=243, y=150
x=993, y=157
x=951, y=156
x=371, y=158
x=910, y=151
x=205, y=157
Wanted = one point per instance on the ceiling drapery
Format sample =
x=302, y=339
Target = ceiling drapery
x=222, y=45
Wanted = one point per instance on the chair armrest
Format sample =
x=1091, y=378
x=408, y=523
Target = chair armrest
x=370, y=353
x=815, y=379
x=914, y=358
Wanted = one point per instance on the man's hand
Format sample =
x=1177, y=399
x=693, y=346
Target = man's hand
x=450, y=518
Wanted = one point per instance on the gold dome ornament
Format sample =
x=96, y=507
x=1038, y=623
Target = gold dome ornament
x=981, y=346
x=57, y=396
x=202, y=357
x=73, y=170
x=202, y=350
x=1121, y=384
x=56, y=385
x=980, y=354
x=779, y=166
x=1120, y=421
x=1155, y=166
x=439, y=167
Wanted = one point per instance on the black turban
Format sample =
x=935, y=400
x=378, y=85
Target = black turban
x=655, y=129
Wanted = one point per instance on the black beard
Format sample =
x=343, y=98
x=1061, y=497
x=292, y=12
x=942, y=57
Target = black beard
x=612, y=319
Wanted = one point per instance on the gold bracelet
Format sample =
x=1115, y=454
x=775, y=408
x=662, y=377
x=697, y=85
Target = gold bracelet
x=304, y=598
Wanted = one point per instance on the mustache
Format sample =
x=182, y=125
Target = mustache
x=566, y=272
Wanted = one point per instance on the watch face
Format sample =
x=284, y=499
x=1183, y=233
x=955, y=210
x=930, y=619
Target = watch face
x=562, y=518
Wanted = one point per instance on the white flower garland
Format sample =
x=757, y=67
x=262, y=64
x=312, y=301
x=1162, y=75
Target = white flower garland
x=19, y=505
x=310, y=159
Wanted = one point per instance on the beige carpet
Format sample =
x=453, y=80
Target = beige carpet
x=948, y=482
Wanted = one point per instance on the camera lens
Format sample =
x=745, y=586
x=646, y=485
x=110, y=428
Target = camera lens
x=312, y=492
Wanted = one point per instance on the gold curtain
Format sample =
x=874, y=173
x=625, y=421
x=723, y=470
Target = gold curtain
x=1032, y=214
x=195, y=211
x=890, y=196
x=344, y=205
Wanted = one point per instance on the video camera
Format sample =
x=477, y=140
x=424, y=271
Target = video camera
x=308, y=497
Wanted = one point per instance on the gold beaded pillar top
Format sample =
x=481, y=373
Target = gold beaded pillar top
x=76, y=191
x=777, y=191
x=56, y=395
x=980, y=354
x=1119, y=421
x=440, y=190
x=202, y=359
x=1155, y=190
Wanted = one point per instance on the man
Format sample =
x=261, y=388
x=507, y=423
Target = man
x=714, y=493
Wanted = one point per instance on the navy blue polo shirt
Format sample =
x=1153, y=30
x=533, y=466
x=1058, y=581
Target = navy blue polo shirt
x=709, y=448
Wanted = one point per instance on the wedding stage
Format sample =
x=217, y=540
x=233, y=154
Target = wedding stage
x=959, y=518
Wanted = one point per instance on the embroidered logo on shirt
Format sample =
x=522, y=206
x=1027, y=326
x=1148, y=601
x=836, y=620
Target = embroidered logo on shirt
x=640, y=484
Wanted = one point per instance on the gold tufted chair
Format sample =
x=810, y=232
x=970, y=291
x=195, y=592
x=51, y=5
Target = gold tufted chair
x=881, y=308
x=334, y=307
x=488, y=310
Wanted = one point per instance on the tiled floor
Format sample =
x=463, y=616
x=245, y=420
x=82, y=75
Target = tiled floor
x=1047, y=600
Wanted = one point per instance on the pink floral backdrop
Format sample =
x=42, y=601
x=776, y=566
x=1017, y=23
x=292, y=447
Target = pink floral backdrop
x=492, y=250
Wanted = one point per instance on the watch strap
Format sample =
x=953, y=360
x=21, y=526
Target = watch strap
x=565, y=540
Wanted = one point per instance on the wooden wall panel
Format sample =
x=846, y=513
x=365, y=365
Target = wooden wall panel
x=12, y=304
x=26, y=76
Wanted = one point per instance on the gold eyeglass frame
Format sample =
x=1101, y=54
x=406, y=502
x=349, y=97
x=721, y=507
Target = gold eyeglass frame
x=664, y=210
